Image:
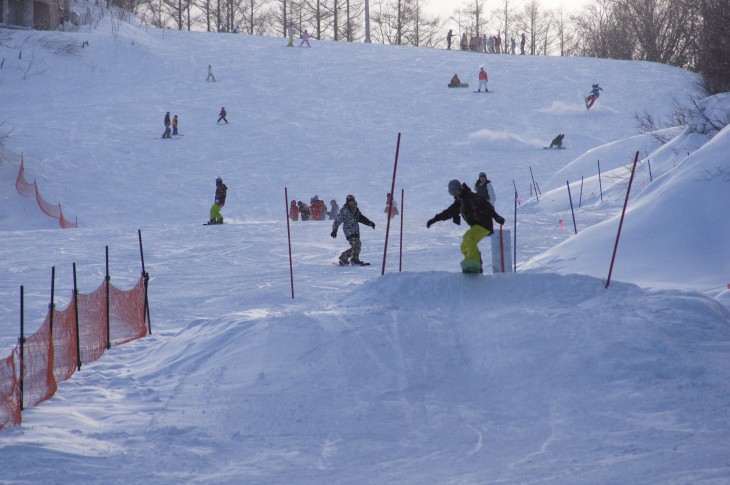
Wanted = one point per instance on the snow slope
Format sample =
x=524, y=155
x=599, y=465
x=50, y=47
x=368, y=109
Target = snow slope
x=425, y=376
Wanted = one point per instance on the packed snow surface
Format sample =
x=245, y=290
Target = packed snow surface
x=420, y=376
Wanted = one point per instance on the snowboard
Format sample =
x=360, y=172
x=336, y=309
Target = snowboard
x=471, y=266
x=559, y=148
x=213, y=223
x=485, y=92
x=462, y=85
x=337, y=263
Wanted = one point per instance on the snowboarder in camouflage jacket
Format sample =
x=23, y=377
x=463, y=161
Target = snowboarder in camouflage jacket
x=350, y=217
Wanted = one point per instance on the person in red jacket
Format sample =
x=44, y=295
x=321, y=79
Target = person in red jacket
x=483, y=78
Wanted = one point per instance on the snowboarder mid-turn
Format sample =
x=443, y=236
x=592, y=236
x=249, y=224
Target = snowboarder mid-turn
x=220, y=201
x=350, y=217
x=557, y=141
x=591, y=98
x=222, y=115
x=483, y=78
x=478, y=213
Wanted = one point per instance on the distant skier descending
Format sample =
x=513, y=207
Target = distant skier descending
x=222, y=115
x=595, y=93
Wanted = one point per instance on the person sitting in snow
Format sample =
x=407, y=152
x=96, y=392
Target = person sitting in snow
x=557, y=141
x=350, y=218
x=455, y=82
x=478, y=213
x=220, y=200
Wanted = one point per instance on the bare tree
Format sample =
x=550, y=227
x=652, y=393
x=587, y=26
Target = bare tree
x=602, y=32
x=713, y=56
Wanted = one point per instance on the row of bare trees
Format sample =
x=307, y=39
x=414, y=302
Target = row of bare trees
x=693, y=34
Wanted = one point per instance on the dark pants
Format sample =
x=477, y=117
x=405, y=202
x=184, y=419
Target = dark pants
x=221, y=117
x=354, y=251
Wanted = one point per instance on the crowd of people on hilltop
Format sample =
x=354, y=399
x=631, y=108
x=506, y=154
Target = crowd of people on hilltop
x=488, y=44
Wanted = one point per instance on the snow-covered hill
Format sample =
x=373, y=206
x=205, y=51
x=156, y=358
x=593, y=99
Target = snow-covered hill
x=425, y=376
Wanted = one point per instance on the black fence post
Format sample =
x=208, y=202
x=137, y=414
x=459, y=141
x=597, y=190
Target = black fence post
x=575, y=228
x=146, y=285
x=600, y=185
x=21, y=342
x=107, y=278
x=76, y=315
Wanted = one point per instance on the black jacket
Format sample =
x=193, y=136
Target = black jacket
x=474, y=210
x=220, y=194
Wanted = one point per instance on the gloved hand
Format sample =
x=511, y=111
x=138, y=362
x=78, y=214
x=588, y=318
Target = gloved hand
x=499, y=219
x=372, y=224
x=334, y=233
x=430, y=222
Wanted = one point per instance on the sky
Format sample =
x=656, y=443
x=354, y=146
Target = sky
x=424, y=375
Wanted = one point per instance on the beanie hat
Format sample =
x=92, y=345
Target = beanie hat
x=454, y=187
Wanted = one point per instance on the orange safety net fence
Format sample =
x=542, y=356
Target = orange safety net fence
x=51, y=355
x=31, y=190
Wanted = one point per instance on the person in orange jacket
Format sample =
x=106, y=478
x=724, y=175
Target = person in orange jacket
x=483, y=78
x=391, y=206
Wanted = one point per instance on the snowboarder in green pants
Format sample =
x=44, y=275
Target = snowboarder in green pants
x=220, y=200
x=478, y=213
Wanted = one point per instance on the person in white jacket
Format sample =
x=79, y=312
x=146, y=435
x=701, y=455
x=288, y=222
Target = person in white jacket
x=483, y=188
x=305, y=38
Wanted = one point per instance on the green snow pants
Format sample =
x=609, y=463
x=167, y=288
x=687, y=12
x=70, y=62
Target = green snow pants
x=469, y=247
x=215, y=213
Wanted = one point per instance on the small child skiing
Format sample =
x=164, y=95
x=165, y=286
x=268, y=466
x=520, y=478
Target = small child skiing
x=166, y=133
x=595, y=92
x=305, y=39
x=557, y=141
x=220, y=200
x=174, y=125
x=222, y=115
x=210, y=73
x=350, y=217
x=483, y=78
x=478, y=213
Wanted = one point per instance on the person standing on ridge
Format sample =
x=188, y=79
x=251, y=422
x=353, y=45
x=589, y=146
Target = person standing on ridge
x=350, y=217
x=220, y=200
x=305, y=39
x=478, y=213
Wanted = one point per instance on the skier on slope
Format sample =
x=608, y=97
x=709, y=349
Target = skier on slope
x=220, y=200
x=595, y=92
x=483, y=188
x=478, y=213
x=222, y=115
x=483, y=78
x=350, y=217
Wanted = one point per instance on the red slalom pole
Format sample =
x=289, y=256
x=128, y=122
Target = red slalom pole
x=621, y=223
x=400, y=261
x=392, y=188
x=288, y=236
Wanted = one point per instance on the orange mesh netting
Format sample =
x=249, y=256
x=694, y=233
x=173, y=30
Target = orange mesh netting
x=9, y=392
x=65, y=359
x=31, y=190
x=37, y=367
x=47, y=360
